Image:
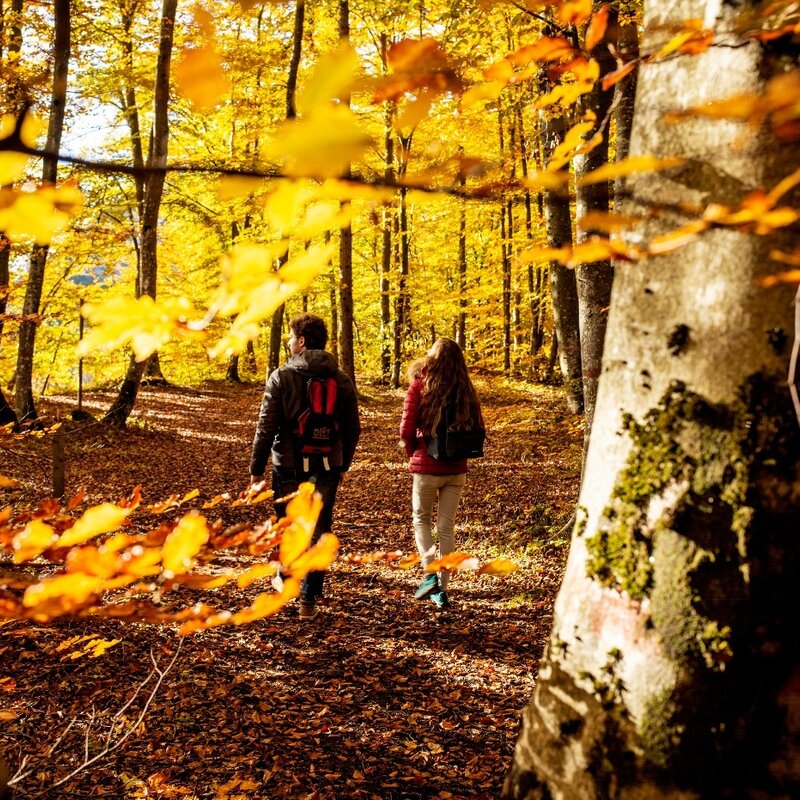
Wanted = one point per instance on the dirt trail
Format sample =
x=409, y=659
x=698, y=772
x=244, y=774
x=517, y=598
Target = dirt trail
x=379, y=697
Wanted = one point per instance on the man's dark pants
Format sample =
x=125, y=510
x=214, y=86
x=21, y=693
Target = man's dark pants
x=286, y=480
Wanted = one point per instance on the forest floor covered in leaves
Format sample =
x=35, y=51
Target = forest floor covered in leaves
x=379, y=697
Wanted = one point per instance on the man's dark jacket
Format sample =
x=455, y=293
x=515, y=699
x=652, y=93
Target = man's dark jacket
x=286, y=396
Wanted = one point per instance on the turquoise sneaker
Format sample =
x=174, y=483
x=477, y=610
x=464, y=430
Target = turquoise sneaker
x=427, y=587
x=440, y=599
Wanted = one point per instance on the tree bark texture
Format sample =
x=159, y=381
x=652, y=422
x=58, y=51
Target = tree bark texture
x=276, y=324
x=594, y=280
x=23, y=389
x=122, y=406
x=674, y=661
x=346, y=320
x=563, y=285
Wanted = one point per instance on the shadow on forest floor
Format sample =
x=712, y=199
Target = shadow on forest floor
x=379, y=697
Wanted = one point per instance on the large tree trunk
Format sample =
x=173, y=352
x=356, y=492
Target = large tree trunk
x=23, y=390
x=674, y=661
x=153, y=191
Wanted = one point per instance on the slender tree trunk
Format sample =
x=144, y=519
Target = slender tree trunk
x=121, y=409
x=13, y=103
x=563, y=286
x=624, y=99
x=674, y=661
x=536, y=300
x=595, y=279
x=23, y=390
x=276, y=324
x=388, y=227
x=333, y=341
x=346, y=354
x=461, y=326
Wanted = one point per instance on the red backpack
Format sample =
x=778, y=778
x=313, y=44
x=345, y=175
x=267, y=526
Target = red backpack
x=317, y=430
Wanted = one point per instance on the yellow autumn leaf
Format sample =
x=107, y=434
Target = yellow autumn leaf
x=573, y=139
x=321, y=217
x=480, y=93
x=285, y=204
x=148, y=325
x=38, y=213
x=230, y=187
x=629, y=166
x=13, y=165
x=414, y=112
x=302, y=512
x=499, y=566
x=9, y=483
x=320, y=145
x=246, y=268
x=184, y=543
x=332, y=78
x=264, y=295
x=565, y=94
x=33, y=540
x=105, y=518
x=101, y=646
x=70, y=591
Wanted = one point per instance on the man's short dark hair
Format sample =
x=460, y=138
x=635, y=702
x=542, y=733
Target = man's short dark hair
x=312, y=328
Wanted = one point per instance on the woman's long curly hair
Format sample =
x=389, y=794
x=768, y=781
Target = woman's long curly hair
x=444, y=377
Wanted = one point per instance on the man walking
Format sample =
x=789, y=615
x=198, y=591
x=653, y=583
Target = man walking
x=309, y=423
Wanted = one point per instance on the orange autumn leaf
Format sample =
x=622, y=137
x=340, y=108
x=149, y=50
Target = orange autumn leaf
x=790, y=276
x=615, y=77
x=597, y=27
x=629, y=166
x=574, y=12
x=256, y=573
x=543, y=50
x=455, y=561
x=76, y=500
x=607, y=221
x=267, y=603
x=677, y=238
x=499, y=566
x=317, y=558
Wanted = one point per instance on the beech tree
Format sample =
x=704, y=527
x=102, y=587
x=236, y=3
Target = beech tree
x=152, y=192
x=673, y=660
x=26, y=408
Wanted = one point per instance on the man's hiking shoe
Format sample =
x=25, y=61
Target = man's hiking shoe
x=440, y=599
x=427, y=587
x=308, y=609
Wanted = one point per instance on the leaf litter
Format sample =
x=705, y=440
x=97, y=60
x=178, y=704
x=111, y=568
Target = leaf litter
x=379, y=697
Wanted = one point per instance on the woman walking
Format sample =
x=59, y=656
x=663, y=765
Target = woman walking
x=440, y=387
